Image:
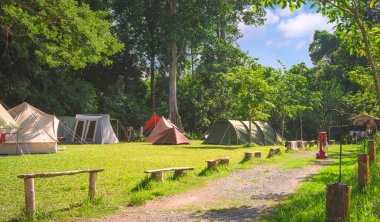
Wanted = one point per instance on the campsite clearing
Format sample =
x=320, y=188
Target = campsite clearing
x=123, y=182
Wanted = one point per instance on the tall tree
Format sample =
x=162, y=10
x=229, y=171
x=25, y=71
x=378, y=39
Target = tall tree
x=355, y=23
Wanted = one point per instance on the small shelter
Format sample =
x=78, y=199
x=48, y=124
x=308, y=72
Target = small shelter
x=37, y=132
x=364, y=120
x=93, y=128
x=362, y=127
x=230, y=132
x=151, y=123
x=166, y=132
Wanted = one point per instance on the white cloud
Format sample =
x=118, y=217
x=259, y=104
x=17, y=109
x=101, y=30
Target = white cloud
x=271, y=18
x=300, y=44
x=277, y=45
x=304, y=25
x=250, y=31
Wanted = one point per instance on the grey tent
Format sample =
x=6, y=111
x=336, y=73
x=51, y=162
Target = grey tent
x=92, y=128
x=230, y=132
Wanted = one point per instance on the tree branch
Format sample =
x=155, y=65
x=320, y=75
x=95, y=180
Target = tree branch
x=346, y=10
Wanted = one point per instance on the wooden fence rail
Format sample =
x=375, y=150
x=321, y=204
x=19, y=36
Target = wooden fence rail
x=30, y=197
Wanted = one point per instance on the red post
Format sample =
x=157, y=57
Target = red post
x=322, y=146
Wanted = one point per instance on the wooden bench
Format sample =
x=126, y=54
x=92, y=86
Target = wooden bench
x=274, y=151
x=159, y=173
x=30, y=197
x=211, y=164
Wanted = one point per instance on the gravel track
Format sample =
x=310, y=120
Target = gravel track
x=244, y=195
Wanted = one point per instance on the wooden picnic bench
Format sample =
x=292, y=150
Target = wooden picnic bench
x=159, y=173
x=30, y=196
x=213, y=163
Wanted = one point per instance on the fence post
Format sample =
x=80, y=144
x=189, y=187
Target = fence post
x=30, y=197
x=92, y=185
x=337, y=202
x=372, y=151
x=363, y=170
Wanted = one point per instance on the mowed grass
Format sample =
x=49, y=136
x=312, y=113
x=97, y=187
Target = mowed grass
x=309, y=203
x=122, y=183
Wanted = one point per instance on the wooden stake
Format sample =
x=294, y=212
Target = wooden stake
x=258, y=154
x=248, y=155
x=158, y=176
x=30, y=198
x=337, y=202
x=372, y=151
x=211, y=164
x=178, y=173
x=92, y=185
x=363, y=170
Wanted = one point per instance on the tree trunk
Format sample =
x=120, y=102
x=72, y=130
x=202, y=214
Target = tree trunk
x=173, y=108
x=152, y=82
x=372, y=62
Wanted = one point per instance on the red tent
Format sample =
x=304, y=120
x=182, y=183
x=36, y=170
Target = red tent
x=152, y=122
x=166, y=133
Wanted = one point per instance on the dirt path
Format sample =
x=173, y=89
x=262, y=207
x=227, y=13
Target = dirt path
x=242, y=196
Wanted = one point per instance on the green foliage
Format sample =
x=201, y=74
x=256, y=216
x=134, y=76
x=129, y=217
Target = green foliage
x=251, y=92
x=60, y=32
x=125, y=107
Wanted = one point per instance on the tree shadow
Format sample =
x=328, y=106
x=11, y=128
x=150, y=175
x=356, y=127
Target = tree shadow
x=145, y=184
x=207, y=171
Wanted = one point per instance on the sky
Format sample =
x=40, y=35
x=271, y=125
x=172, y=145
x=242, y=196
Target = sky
x=285, y=35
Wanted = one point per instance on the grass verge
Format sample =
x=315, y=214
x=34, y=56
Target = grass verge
x=308, y=204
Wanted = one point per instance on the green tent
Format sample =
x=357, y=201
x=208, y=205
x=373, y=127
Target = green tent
x=231, y=132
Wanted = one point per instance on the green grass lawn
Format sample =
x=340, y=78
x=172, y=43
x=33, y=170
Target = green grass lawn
x=308, y=204
x=123, y=182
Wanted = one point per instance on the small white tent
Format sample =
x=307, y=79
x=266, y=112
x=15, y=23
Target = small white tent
x=37, y=132
x=93, y=128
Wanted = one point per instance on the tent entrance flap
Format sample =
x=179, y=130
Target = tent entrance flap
x=90, y=132
x=79, y=128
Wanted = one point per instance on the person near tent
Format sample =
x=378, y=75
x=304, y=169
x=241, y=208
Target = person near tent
x=129, y=133
x=141, y=134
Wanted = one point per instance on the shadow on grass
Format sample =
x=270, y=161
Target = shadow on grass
x=207, y=172
x=145, y=184
x=246, y=160
x=49, y=215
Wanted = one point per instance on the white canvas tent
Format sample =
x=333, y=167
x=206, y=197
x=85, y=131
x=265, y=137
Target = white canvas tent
x=93, y=128
x=7, y=123
x=37, y=132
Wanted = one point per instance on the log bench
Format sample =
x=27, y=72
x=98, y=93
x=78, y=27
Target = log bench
x=30, y=196
x=159, y=173
x=211, y=164
x=274, y=151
